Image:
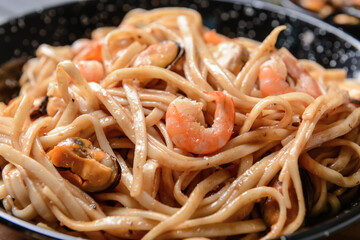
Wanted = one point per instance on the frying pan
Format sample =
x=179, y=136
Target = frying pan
x=305, y=36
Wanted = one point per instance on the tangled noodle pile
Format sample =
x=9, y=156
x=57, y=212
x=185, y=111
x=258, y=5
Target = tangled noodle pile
x=161, y=128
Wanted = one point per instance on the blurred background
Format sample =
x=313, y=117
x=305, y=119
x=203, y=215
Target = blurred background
x=13, y=8
x=344, y=14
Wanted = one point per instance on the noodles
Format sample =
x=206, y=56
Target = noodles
x=162, y=129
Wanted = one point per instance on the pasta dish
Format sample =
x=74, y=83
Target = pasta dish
x=161, y=128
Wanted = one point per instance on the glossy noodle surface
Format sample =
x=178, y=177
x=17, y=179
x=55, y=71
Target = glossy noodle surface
x=161, y=128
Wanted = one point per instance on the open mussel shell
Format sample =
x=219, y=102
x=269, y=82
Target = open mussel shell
x=164, y=54
x=180, y=54
x=308, y=190
x=84, y=165
x=270, y=207
x=113, y=182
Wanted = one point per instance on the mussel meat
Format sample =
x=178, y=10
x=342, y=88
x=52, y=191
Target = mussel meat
x=164, y=54
x=85, y=166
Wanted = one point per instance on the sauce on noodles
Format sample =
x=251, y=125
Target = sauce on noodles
x=161, y=128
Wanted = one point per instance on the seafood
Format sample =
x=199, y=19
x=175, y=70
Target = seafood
x=164, y=54
x=231, y=56
x=40, y=108
x=353, y=88
x=54, y=105
x=85, y=166
x=211, y=37
x=270, y=209
x=92, y=70
x=183, y=123
x=273, y=73
x=90, y=51
x=272, y=78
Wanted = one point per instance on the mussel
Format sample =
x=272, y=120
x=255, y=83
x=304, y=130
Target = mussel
x=270, y=208
x=164, y=54
x=40, y=108
x=85, y=166
x=308, y=191
x=353, y=88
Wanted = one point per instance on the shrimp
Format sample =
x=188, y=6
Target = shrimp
x=92, y=71
x=211, y=37
x=92, y=51
x=183, y=123
x=272, y=76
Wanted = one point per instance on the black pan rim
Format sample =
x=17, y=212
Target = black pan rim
x=31, y=229
x=325, y=229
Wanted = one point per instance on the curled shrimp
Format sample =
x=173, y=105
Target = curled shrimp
x=91, y=50
x=183, y=124
x=92, y=71
x=273, y=73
